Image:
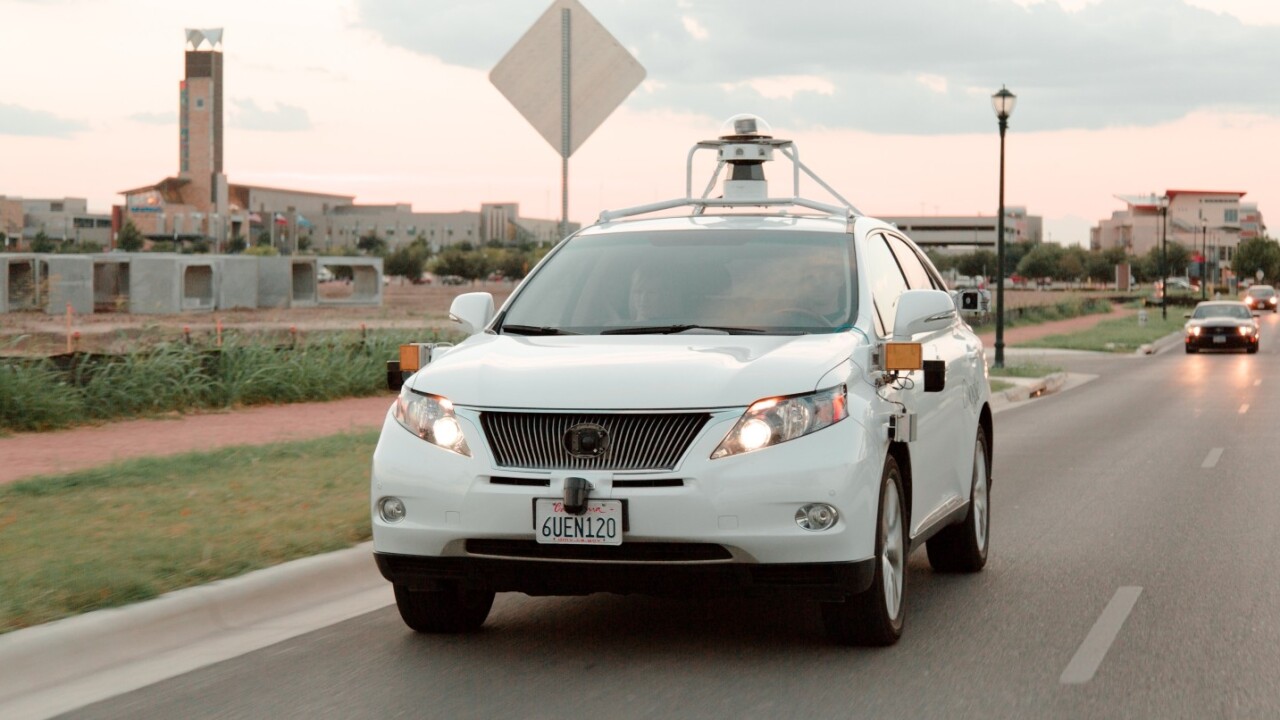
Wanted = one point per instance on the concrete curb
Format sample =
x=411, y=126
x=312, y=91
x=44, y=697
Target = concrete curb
x=48, y=655
x=1154, y=347
x=1033, y=387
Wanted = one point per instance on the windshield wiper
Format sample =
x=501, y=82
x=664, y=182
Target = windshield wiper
x=534, y=330
x=672, y=329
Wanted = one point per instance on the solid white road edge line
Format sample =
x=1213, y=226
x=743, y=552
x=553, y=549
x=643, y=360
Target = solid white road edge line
x=1096, y=644
x=1244, y=408
x=1212, y=458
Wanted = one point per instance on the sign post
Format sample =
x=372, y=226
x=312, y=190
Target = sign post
x=565, y=76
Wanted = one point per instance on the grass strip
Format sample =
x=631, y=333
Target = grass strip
x=1122, y=335
x=177, y=377
x=133, y=530
x=999, y=385
x=1025, y=370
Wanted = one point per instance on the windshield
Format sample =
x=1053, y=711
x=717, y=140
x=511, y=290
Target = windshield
x=1222, y=311
x=756, y=281
x=1263, y=292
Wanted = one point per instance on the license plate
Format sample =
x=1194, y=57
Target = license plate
x=1219, y=338
x=601, y=524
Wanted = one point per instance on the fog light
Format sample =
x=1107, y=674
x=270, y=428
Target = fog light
x=816, y=517
x=391, y=509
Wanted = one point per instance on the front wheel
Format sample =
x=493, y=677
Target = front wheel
x=1191, y=350
x=453, y=609
x=963, y=547
x=874, y=616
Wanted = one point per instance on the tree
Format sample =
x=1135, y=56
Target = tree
x=1254, y=254
x=1071, y=264
x=130, y=238
x=406, y=262
x=263, y=239
x=1040, y=261
x=42, y=243
x=470, y=265
x=980, y=263
x=237, y=244
x=371, y=244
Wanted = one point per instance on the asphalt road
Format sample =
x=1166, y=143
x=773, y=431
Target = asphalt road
x=1133, y=574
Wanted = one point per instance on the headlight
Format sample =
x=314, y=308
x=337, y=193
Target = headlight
x=1194, y=331
x=1246, y=330
x=777, y=420
x=431, y=418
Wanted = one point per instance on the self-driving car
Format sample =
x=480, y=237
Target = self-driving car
x=745, y=394
x=1221, y=325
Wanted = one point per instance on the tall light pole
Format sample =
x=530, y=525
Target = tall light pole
x=1002, y=102
x=1164, y=262
x=1204, y=258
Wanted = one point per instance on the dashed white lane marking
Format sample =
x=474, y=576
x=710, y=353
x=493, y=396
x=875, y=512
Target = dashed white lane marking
x=1244, y=408
x=1212, y=458
x=1096, y=644
x=1257, y=382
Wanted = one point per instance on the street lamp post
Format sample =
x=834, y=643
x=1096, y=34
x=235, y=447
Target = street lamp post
x=1002, y=102
x=1164, y=261
x=1204, y=258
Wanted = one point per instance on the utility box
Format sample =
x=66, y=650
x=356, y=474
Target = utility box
x=67, y=280
x=19, y=282
x=364, y=286
x=168, y=284
x=238, y=282
x=111, y=282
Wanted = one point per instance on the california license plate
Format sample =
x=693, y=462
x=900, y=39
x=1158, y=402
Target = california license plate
x=1219, y=338
x=601, y=524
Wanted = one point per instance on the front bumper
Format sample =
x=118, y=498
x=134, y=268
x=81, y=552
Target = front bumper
x=1232, y=340
x=820, y=581
x=468, y=519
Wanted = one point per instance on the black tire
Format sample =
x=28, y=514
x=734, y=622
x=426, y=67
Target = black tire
x=964, y=547
x=1192, y=350
x=867, y=618
x=1252, y=350
x=456, y=609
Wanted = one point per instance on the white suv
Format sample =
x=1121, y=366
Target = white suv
x=783, y=401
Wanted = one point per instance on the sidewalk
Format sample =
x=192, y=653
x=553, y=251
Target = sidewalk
x=61, y=451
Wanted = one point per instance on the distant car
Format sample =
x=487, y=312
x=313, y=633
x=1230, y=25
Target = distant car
x=452, y=280
x=1221, y=325
x=1261, y=297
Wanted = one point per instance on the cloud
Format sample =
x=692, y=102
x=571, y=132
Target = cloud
x=694, y=28
x=284, y=118
x=784, y=87
x=921, y=67
x=16, y=120
x=155, y=118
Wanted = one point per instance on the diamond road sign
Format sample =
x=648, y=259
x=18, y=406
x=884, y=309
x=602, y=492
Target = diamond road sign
x=601, y=75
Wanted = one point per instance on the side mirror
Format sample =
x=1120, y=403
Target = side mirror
x=922, y=311
x=472, y=311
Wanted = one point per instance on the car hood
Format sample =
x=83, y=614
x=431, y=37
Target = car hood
x=631, y=372
x=1220, y=322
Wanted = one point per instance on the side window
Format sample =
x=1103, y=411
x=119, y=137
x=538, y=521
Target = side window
x=917, y=277
x=887, y=282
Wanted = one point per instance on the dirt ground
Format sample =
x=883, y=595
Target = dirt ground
x=404, y=306
x=27, y=454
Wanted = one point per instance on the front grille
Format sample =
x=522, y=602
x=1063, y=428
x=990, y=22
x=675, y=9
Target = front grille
x=635, y=441
x=626, y=552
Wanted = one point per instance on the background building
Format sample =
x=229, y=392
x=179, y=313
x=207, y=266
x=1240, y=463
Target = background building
x=200, y=204
x=965, y=233
x=64, y=219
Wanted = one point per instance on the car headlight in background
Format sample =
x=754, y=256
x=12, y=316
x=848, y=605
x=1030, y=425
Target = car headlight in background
x=1194, y=331
x=431, y=418
x=777, y=420
x=1247, y=330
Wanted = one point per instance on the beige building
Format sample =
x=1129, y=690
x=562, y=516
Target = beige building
x=966, y=233
x=1209, y=223
x=64, y=219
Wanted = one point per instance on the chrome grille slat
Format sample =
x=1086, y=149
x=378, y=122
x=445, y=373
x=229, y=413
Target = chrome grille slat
x=638, y=441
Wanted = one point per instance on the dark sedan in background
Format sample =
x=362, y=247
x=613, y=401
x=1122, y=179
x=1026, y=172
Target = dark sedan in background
x=1262, y=297
x=1222, y=325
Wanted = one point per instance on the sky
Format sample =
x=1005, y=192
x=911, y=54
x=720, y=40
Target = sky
x=888, y=101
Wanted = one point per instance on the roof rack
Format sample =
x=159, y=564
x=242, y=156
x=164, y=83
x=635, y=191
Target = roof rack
x=744, y=150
